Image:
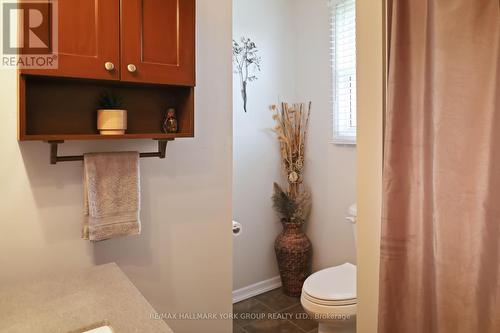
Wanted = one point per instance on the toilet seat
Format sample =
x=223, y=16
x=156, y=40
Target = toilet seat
x=334, y=286
x=318, y=301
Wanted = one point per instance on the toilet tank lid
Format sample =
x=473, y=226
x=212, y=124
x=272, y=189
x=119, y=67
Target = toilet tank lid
x=332, y=284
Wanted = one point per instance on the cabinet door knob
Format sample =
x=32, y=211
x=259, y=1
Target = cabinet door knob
x=131, y=68
x=109, y=66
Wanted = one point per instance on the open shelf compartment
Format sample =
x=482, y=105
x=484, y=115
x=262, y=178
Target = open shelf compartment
x=55, y=109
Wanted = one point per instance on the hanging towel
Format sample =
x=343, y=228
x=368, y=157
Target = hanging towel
x=111, y=195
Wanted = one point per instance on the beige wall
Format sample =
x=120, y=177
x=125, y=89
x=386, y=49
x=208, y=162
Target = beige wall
x=370, y=78
x=182, y=260
x=256, y=154
x=331, y=168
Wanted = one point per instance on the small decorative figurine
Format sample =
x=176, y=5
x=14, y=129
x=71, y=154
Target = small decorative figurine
x=170, y=122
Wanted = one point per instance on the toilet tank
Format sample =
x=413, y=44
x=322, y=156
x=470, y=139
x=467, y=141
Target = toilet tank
x=352, y=215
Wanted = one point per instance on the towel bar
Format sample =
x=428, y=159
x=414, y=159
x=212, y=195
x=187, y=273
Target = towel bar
x=54, y=159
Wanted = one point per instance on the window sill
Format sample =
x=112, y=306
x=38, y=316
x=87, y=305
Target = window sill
x=343, y=142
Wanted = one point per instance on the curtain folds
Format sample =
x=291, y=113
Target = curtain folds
x=440, y=247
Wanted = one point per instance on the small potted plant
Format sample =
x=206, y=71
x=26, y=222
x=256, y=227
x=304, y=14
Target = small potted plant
x=111, y=117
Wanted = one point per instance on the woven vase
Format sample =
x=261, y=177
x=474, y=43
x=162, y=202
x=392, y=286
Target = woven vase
x=294, y=254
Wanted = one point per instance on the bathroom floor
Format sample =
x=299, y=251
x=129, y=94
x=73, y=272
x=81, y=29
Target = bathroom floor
x=272, y=312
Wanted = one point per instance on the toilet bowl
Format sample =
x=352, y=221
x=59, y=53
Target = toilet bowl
x=329, y=297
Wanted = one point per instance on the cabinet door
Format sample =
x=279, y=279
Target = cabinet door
x=88, y=38
x=158, y=41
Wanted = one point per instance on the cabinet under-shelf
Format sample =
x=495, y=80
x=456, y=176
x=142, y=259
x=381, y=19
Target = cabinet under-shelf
x=86, y=137
x=56, y=109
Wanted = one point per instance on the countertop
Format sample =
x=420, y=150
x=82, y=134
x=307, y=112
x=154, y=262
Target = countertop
x=78, y=302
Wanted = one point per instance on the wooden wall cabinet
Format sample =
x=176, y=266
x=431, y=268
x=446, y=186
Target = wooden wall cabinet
x=88, y=39
x=149, y=41
x=142, y=49
x=157, y=41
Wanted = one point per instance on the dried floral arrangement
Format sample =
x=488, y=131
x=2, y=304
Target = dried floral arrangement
x=247, y=62
x=292, y=122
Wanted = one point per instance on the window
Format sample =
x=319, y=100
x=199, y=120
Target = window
x=343, y=52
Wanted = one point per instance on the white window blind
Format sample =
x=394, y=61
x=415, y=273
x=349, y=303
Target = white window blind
x=343, y=52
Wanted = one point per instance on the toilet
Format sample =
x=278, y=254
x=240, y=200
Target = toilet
x=329, y=296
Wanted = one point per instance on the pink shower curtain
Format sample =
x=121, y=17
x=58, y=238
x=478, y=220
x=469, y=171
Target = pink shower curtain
x=440, y=251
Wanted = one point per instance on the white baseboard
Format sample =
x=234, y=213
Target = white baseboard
x=256, y=289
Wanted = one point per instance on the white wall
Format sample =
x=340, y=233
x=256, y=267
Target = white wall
x=331, y=169
x=256, y=156
x=293, y=36
x=182, y=260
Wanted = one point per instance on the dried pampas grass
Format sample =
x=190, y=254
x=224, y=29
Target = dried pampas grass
x=292, y=123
